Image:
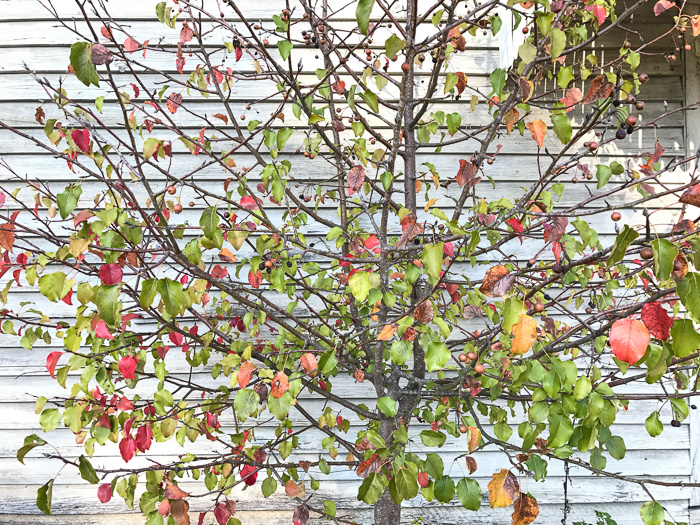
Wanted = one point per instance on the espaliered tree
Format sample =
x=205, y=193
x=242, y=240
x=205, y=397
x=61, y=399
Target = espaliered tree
x=228, y=278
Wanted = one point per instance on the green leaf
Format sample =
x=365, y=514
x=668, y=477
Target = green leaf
x=654, y=425
x=371, y=99
x=43, y=498
x=285, y=48
x=99, y=103
x=652, y=513
x=538, y=466
x=469, y=493
x=684, y=339
x=329, y=508
x=364, y=8
x=150, y=147
x=359, y=285
x=527, y=52
x=562, y=127
x=622, y=242
x=565, y=76
x=387, y=405
x=171, y=293
x=603, y=174
x=394, y=44
x=107, y=302
x=401, y=351
x=436, y=356
x=432, y=258
x=86, y=471
x=582, y=388
x=432, y=438
x=444, y=489
x=557, y=38
x=245, y=403
x=81, y=64
x=616, y=447
x=372, y=487
x=30, y=442
x=269, y=486
x=664, y=255
x=498, y=80
x=209, y=222
x=560, y=430
x=689, y=292
x=406, y=484
x=282, y=138
x=434, y=465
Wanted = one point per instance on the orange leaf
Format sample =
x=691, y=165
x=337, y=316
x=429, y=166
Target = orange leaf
x=178, y=512
x=525, y=510
x=309, y=363
x=424, y=312
x=599, y=88
x=221, y=116
x=227, y=255
x=245, y=373
x=461, y=82
x=503, y=489
x=497, y=282
x=280, y=384
x=691, y=196
x=387, y=332
x=293, y=490
x=537, y=129
x=474, y=438
x=510, y=119
x=525, y=334
x=629, y=339
x=172, y=491
x=573, y=97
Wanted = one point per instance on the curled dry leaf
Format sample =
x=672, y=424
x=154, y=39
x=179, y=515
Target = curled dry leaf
x=178, y=512
x=461, y=83
x=471, y=464
x=497, y=282
x=387, y=332
x=679, y=274
x=503, y=489
x=221, y=116
x=471, y=311
x=629, y=339
x=473, y=438
x=173, y=492
x=525, y=510
x=466, y=176
x=524, y=334
x=599, y=88
x=293, y=490
x=424, y=312
x=100, y=55
x=691, y=196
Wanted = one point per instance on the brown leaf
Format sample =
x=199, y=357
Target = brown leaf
x=410, y=233
x=691, y=196
x=221, y=116
x=305, y=465
x=599, y=88
x=497, y=282
x=461, y=82
x=538, y=129
x=684, y=226
x=39, y=115
x=178, y=511
x=573, y=97
x=471, y=311
x=503, y=489
x=100, y=55
x=526, y=87
x=554, y=231
x=466, y=176
x=356, y=177
x=293, y=490
x=173, y=492
x=474, y=438
x=471, y=464
x=372, y=464
x=424, y=312
x=387, y=332
x=525, y=510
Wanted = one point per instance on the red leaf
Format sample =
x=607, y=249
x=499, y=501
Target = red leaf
x=656, y=319
x=102, y=331
x=356, y=177
x=245, y=373
x=239, y=53
x=104, y=492
x=127, y=366
x=339, y=87
x=249, y=202
x=180, y=64
x=111, y=274
x=174, y=102
x=81, y=139
x=661, y=6
x=599, y=12
x=255, y=278
x=249, y=475
x=82, y=216
x=106, y=33
x=131, y=45
x=186, y=34
x=143, y=438
x=423, y=479
x=125, y=404
x=629, y=339
x=176, y=338
x=51, y=361
x=573, y=97
x=127, y=448
x=466, y=176
x=517, y=227
x=137, y=91
x=67, y=298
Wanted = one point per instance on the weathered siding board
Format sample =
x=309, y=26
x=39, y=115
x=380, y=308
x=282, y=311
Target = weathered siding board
x=30, y=35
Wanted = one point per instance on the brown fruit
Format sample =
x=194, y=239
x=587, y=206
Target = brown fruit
x=463, y=358
x=643, y=78
x=539, y=308
x=677, y=266
x=647, y=253
x=177, y=208
x=627, y=44
x=557, y=268
x=463, y=429
x=532, y=262
x=479, y=368
x=172, y=190
x=405, y=67
x=639, y=105
x=593, y=146
x=471, y=356
x=526, y=30
x=631, y=120
x=616, y=216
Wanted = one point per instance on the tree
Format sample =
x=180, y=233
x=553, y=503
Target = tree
x=219, y=282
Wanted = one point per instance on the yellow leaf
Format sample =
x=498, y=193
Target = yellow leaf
x=525, y=334
x=503, y=489
x=387, y=332
x=78, y=246
x=429, y=204
x=474, y=438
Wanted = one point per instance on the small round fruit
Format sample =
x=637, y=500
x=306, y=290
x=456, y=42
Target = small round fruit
x=526, y=30
x=677, y=266
x=539, y=308
x=621, y=134
x=557, y=268
x=631, y=99
x=463, y=358
x=687, y=47
x=172, y=190
x=479, y=368
x=177, y=208
x=589, y=310
x=631, y=120
x=647, y=253
x=593, y=146
x=627, y=44
x=405, y=67
x=471, y=356
x=616, y=216
x=191, y=204
x=463, y=429
x=675, y=423
x=532, y=262
x=643, y=78
x=639, y=105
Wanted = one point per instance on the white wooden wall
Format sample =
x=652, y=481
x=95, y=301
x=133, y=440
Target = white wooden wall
x=28, y=33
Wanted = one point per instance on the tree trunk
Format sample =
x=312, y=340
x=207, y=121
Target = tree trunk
x=386, y=512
